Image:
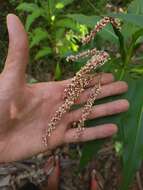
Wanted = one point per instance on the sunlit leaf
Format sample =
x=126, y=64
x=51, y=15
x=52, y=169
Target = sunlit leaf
x=59, y=5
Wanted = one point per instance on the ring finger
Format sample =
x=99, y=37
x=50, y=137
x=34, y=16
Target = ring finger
x=110, y=89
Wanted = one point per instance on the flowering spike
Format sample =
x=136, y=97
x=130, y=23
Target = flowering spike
x=80, y=82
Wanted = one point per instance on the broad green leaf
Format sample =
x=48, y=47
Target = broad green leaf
x=132, y=127
x=32, y=17
x=38, y=35
x=43, y=52
x=27, y=7
x=130, y=18
x=136, y=7
x=130, y=131
x=128, y=29
x=90, y=21
x=90, y=149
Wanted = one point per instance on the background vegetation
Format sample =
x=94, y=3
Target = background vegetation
x=55, y=28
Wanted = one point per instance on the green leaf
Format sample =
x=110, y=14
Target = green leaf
x=38, y=35
x=90, y=21
x=59, y=5
x=130, y=18
x=132, y=130
x=137, y=70
x=137, y=35
x=31, y=18
x=128, y=29
x=27, y=7
x=66, y=23
x=90, y=149
x=43, y=52
x=58, y=72
x=136, y=7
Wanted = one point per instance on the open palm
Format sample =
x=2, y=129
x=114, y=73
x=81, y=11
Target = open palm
x=26, y=109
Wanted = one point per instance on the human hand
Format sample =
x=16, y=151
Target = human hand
x=26, y=109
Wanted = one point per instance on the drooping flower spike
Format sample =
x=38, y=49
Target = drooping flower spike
x=80, y=82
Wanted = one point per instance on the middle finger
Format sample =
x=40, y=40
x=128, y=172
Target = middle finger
x=114, y=88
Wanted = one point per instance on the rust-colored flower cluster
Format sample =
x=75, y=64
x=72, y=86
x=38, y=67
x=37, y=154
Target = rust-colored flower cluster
x=80, y=82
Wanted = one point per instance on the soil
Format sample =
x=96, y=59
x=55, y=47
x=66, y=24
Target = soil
x=29, y=174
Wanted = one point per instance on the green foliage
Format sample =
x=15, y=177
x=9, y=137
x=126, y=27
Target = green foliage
x=107, y=33
x=130, y=123
x=55, y=28
x=38, y=35
x=51, y=32
x=51, y=26
x=135, y=9
x=132, y=130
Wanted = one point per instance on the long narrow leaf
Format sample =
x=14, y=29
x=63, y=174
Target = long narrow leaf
x=132, y=126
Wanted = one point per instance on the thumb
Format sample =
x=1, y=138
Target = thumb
x=18, y=52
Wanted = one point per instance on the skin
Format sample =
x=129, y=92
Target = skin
x=26, y=109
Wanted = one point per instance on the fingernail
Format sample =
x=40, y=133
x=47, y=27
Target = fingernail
x=11, y=22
